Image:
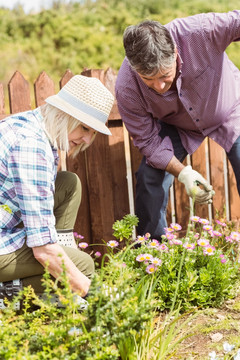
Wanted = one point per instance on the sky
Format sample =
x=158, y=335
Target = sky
x=28, y=5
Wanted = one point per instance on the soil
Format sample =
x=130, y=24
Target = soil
x=210, y=329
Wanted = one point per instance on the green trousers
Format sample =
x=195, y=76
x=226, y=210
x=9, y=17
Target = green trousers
x=21, y=264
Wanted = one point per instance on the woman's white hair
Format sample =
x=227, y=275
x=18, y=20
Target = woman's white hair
x=58, y=125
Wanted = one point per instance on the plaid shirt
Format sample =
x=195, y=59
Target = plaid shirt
x=207, y=100
x=28, y=167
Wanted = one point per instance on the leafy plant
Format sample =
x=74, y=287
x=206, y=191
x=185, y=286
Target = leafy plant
x=198, y=270
x=123, y=228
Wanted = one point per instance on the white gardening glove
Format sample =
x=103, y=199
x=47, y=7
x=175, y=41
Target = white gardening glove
x=196, y=186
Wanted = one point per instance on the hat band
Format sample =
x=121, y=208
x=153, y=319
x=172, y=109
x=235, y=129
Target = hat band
x=80, y=105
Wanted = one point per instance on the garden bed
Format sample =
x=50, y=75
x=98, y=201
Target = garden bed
x=149, y=300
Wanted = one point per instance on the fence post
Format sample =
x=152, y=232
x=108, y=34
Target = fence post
x=19, y=94
x=43, y=87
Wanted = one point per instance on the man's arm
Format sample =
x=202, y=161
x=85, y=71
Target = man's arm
x=49, y=255
x=174, y=166
x=196, y=186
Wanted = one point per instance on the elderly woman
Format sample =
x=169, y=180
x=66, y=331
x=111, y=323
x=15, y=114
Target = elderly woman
x=38, y=206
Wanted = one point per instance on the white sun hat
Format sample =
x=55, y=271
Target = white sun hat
x=86, y=99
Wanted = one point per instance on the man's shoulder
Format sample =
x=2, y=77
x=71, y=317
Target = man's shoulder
x=126, y=77
x=185, y=25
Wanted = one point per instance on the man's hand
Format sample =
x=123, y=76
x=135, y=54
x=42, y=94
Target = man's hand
x=196, y=186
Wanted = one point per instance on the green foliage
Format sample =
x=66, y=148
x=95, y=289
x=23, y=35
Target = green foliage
x=123, y=319
x=84, y=34
x=123, y=228
x=114, y=322
x=192, y=277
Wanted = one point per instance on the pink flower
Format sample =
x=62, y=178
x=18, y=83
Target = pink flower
x=195, y=218
x=170, y=236
x=209, y=250
x=98, y=254
x=140, y=258
x=148, y=257
x=78, y=236
x=112, y=243
x=156, y=261
x=220, y=223
x=83, y=245
x=163, y=247
x=150, y=269
x=196, y=236
x=140, y=239
x=203, y=242
x=153, y=243
x=204, y=221
x=235, y=236
x=216, y=233
x=228, y=239
x=168, y=230
x=207, y=227
x=177, y=242
x=175, y=226
x=189, y=246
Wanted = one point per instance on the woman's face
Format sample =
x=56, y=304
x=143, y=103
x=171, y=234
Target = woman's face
x=82, y=134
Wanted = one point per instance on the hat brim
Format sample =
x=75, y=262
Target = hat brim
x=82, y=116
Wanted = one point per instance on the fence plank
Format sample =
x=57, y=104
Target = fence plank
x=234, y=198
x=100, y=183
x=66, y=77
x=109, y=82
x=182, y=205
x=83, y=221
x=19, y=94
x=136, y=159
x=217, y=177
x=2, y=100
x=43, y=87
x=118, y=170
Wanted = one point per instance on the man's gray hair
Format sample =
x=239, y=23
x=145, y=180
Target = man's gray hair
x=149, y=47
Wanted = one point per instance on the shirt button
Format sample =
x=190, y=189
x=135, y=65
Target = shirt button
x=190, y=108
x=197, y=120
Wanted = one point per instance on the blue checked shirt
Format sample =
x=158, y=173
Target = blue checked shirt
x=28, y=167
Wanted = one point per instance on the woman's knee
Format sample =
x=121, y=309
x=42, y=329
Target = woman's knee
x=69, y=181
x=83, y=261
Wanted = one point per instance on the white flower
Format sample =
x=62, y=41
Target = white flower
x=237, y=356
x=227, y=347
x=213, y=355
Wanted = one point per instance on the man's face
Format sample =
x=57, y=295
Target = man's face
x=162, y=81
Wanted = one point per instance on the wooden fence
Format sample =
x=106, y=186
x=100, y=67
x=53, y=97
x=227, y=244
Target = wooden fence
x=107, y=167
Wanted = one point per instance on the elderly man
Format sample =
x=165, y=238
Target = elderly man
x=175, y=87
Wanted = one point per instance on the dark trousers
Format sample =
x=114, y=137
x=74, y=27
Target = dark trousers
x=152, y=187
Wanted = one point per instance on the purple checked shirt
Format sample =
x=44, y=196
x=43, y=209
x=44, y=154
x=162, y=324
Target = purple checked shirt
x=207, y=99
